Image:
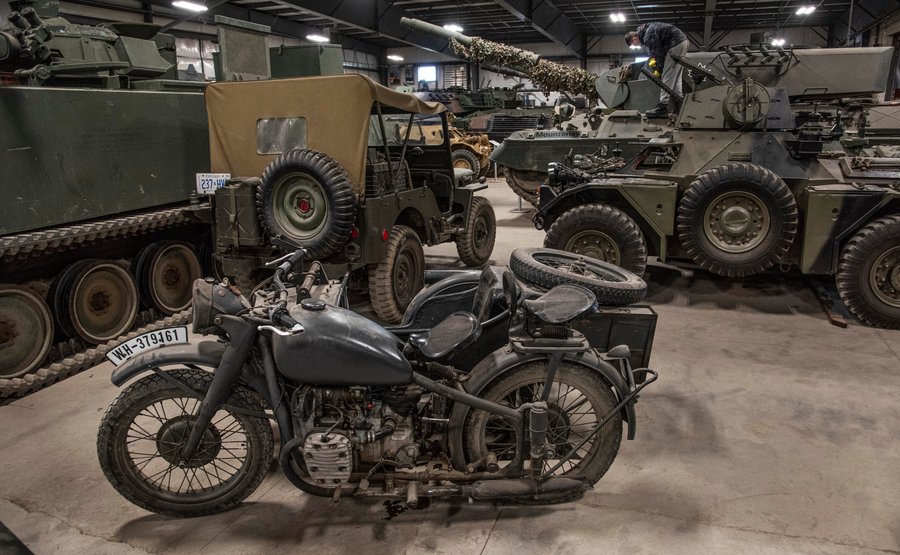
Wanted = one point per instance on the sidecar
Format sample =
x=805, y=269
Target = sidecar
x=481, y=293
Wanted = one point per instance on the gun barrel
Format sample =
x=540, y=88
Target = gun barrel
x=432, y=29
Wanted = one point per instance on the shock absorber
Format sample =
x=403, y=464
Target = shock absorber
x=537, y=428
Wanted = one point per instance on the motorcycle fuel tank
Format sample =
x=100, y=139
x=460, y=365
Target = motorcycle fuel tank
x=339, y=347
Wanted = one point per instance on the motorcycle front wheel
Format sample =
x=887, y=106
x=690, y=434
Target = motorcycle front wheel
x=141, y=435
x=578, y=400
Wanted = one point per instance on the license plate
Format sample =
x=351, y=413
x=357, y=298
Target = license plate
x=145, y=342
x=207, y=183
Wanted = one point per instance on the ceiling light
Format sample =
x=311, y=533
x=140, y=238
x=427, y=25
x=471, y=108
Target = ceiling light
x=317, y=38
x=777, y=42
x=189, y=6
x=453, y=27
x=618, y=17
x=395, y=58
x=805, y=10
x=634, y=46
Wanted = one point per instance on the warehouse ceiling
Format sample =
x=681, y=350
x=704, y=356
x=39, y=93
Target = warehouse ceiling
x=575, y=25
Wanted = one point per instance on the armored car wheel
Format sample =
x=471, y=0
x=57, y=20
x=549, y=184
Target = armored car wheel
x=547, y=268
x=602, y=232
x=306, y=199
x=466, y=160
x=395, y=280
x=737, y=220
x=525, y=183
x=475, y=245
x=868, y=276
x=579, y=399
x=141, y=435
x=26, y=331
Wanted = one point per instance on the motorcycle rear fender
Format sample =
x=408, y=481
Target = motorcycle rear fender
x=505, y=360
x=206, y=353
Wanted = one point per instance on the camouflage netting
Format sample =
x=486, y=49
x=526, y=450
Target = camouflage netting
x=548, y=76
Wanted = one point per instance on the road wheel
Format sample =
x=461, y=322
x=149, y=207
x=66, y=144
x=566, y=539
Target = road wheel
x=526, y=183
x=602, y=232
x=165, y=272
x=547, y=268
x=737, y=220
x=26, y=331
x=466, y=160
x=396, y=279
x=305, y=199
x=475, y=245
x=96, y=300
x=578, y=401
x=141, y=435
x=868, y=277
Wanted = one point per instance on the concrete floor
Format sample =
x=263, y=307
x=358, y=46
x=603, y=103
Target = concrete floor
x=769, y=430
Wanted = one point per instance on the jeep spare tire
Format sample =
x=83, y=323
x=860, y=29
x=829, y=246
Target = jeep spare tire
x=306, y=200
x=547, y=268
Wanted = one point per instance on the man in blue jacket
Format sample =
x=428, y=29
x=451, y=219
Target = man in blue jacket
x=663, y=41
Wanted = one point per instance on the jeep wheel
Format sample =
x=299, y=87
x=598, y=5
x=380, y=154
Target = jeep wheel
x=476, y=243
x=868, y=277
x=466, y=160
x=305, y=199
x=600, y=232
x=395, y=281
x=737, y=220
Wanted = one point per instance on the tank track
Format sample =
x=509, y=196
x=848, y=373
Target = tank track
x=71, y=357
x=40, y=243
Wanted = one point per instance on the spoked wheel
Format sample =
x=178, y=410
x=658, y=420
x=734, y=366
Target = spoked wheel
x=96, y=300
x=165, y=272
x=395, y=281
x=547, y=268
x=141, y=436
x=26, y=331
x=578, y=401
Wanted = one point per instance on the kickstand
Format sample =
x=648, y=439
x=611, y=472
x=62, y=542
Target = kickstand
x=337, y=494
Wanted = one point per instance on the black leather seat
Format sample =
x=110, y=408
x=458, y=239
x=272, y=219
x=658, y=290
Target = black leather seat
x=562, y=304
x=459, y=330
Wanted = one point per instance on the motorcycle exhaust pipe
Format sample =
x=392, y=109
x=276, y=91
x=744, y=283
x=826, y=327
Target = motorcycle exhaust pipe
x=523, y=487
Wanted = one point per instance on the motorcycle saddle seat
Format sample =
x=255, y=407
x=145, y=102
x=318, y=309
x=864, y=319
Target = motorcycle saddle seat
x=459, y=330
x=562, y=304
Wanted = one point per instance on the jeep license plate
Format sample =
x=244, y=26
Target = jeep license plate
x=145, y=342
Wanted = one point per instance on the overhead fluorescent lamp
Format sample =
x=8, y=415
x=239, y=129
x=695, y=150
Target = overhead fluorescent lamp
x=317, y=38
x=395, y=58
x=805, y=10
x=453, y=27
x=777, y=42
x=189, y=6
x=634, y=46
x=618, y=17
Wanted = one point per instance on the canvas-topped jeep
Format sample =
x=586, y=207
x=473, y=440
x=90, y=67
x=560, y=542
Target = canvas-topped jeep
x=345, y=168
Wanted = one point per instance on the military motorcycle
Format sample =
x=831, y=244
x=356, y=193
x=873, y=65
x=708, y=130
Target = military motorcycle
x=360, y=411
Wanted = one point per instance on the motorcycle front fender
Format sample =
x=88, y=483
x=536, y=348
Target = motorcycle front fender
x=205, y=353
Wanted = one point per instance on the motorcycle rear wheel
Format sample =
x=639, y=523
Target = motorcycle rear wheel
x=579, y=399
x=141, y=435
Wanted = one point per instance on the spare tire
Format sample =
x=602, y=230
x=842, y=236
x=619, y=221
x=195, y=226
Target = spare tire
x=547, y=268
x=305, y=200
x=737, y=220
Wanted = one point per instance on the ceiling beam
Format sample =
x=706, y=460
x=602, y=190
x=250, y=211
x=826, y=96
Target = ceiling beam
x=866, y=14
x=708, y=14
x=380, y=16
x=547, y=19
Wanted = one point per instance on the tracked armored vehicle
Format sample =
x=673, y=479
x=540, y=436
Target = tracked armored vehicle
x=780, y=160
x=97, y=233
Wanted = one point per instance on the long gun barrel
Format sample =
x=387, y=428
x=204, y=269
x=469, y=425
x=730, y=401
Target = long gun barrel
x=548, y=76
